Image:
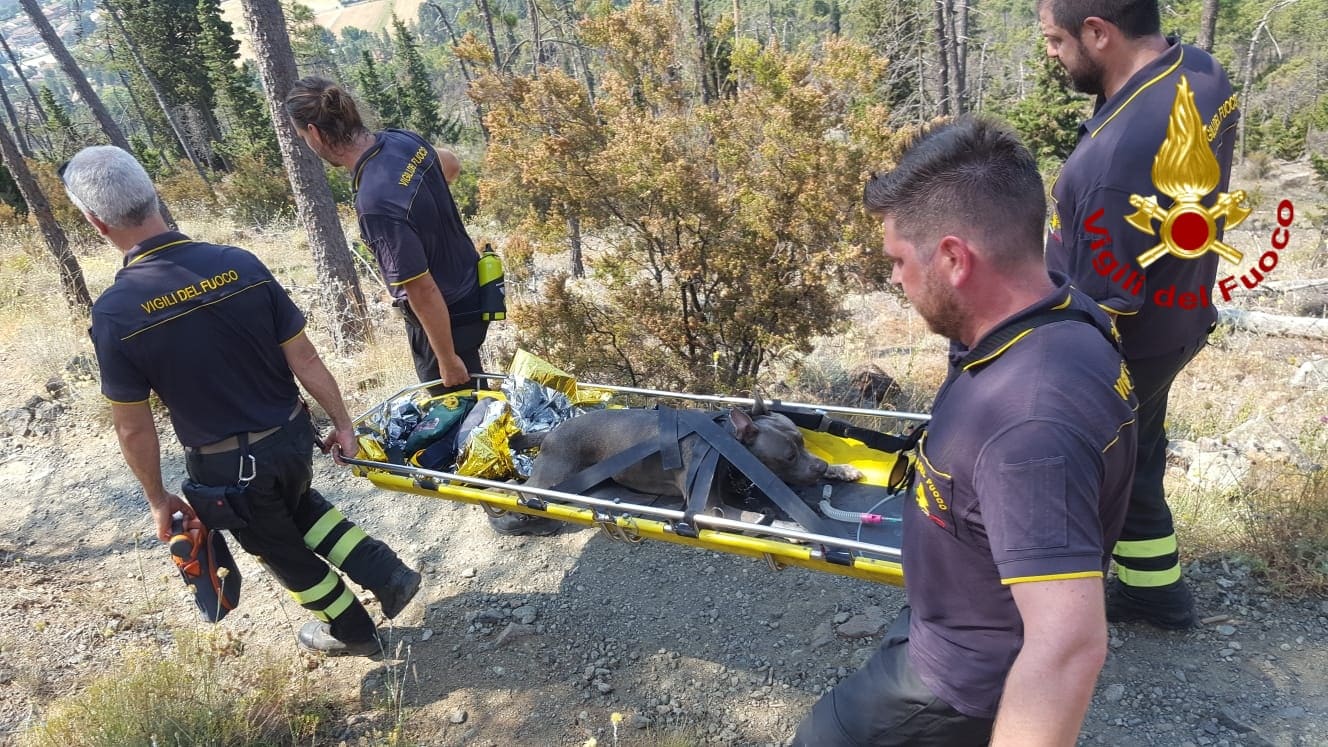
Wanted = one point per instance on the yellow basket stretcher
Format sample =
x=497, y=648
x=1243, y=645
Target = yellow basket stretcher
x=870, y=552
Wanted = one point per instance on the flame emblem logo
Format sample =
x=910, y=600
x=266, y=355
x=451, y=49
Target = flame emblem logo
x=1186, y=170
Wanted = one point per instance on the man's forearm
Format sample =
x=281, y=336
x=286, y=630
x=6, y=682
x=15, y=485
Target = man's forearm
x=428, y=305
x=137, y=434
x=1046, y=696
x=312, y=373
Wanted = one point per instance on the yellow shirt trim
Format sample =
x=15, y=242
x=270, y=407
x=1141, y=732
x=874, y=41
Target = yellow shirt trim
x=1140, y=90
x=407, y=280
x=118, y=402
x=1051, y=577
x=293, y=337
x=150, y=252
x=997, y=352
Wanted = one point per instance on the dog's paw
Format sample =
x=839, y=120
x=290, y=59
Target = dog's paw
x=845, y=472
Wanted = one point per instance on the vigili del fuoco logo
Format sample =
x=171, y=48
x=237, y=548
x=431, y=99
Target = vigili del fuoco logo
x=1186, y=171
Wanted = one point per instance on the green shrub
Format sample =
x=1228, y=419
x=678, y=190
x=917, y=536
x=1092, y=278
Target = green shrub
x=255, y=194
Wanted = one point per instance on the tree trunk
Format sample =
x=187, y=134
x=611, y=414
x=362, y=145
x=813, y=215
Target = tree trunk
x=75, y=74
x=960, y=17
x=574, y=239
x=1208, y=25
x=942, y=55
x=21, y=139
x=465, y=67
x=1247, y=72
x=708, y=93
x=18, y=70
x=71, y=275
x=161, y=97
x=1273, y=324
x=488, y=27
x=538, y=49
x=313, y=196
x=148, y=129
x=84, y=89
x=586, y=74
x=952, y=54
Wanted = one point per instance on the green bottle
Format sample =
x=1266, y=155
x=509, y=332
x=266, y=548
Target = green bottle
x=493, y=290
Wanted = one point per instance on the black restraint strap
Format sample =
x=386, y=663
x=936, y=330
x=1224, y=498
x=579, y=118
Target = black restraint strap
x=598, y=473
x=712, y=444
x=817, y=421
x=670, y=440
x=702, y=472
x=765, y=481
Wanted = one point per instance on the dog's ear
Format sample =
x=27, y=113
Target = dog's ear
x=758, y=404
x=743, y=427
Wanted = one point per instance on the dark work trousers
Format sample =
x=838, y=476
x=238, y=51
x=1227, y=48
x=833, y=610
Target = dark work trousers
x=1146, y=554
x=294, y=529
x=466, y=340
x=885, y=704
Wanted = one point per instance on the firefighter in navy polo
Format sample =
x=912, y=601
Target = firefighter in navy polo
x=1114, y=49
x=411, y=224
x=1021, y=478
x=209, y=330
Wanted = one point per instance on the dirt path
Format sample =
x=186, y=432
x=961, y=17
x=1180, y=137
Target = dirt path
x=538, y=642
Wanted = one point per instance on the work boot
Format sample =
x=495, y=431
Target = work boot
x=1168, y=607
x=518, y=524
x=317, y=636
x=398, y=591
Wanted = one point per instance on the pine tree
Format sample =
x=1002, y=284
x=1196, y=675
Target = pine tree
x=1049, y=117
x=376, y=93
x=418, y=91
x=60, y=125
x=251, y=132
x=166, y=34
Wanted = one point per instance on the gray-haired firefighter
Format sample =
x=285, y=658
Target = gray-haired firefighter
x=210, y=331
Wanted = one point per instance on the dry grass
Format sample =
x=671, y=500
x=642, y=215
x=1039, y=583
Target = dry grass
x=202, y=692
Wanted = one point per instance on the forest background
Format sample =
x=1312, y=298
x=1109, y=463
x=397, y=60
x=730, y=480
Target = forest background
x=691, y=141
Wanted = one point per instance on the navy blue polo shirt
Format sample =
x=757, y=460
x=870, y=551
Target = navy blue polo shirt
x=1023, y=475
x=410, y=222
x=1089, y=239
x=201, y=325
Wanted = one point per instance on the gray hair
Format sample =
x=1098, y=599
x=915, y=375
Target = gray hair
x=108, y=182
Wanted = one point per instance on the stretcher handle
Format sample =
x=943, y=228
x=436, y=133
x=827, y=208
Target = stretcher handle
x=715, y=522
x=716, y=399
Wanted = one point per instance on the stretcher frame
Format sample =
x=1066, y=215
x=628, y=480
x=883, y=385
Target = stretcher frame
x=779, y=547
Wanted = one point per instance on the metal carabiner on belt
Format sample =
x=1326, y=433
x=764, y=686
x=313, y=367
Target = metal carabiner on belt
x=242, y=479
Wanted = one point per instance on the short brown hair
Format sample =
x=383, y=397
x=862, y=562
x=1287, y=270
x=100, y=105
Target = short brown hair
x=322, y=103
x=970, y=175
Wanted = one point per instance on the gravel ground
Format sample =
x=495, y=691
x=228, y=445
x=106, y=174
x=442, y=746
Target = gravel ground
x=540, y=641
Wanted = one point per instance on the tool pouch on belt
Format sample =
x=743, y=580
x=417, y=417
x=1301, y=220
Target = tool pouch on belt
x=207, y=566
x=218, y=506
x=224, y=506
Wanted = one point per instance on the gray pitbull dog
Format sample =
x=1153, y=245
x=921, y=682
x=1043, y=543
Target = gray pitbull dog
x=588, y=439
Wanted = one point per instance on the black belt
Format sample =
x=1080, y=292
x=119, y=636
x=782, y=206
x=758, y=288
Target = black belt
x=231, y=443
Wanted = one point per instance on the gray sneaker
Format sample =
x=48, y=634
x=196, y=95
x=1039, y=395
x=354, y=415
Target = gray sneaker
x=398, y=592
x=317, y=636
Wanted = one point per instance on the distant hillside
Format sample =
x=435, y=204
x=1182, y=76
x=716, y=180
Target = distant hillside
x=370, y=15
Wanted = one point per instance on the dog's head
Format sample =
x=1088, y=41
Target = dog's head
x=777, y=442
